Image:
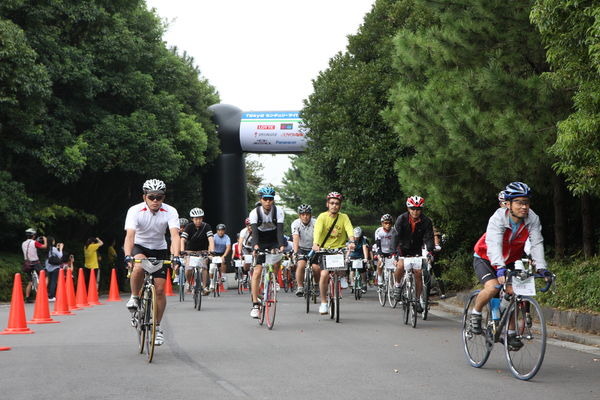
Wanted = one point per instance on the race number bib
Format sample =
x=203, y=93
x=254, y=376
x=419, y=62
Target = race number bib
x=357, y=264
x=195, y=261
x=248, y=259
x=216, y=260
x=524, y=287
x=334, y=261
x=239, y=263
x=389, y=263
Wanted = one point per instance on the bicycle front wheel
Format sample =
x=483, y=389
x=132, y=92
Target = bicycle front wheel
x=308, y=288
x=525, y=361
x=336, y=298
x=150, y=323
x=181, y=283
x=405, y=290
x=331, y=293
x=477, y=347
x=357, y=286
x=382, y=293
x=390, y=292
x=413, y=302
x=424, y=299
x=271, y=303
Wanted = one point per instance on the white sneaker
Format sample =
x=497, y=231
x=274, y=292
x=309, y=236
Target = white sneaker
x=323, y=308
x=254, y=312
x=132, y=304
x=159, y=339
x=186, y=286
x=52, y=299
x=212, y=286
x=344, y=282
x=277, y=287
x=176, y=279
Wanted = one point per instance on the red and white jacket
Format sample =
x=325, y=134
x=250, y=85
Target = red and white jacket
x=500, y=247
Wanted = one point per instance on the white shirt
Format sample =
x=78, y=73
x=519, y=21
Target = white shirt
x=246, y=238
x=387, y=239
x=29, y=250
x=150, y=228
x=305, y=232
x=267, y=220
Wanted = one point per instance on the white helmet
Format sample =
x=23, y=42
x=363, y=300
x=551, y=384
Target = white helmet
x=154, y=185
x=30, y=232
x=196, y=212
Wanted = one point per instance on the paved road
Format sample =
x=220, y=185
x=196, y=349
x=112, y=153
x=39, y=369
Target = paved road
x=220, y=352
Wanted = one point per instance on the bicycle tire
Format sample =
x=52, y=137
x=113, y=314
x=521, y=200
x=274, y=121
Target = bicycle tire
x=390, y=291
x=413, y=301
x=141, y=330
x=424, y=298
x=382, y=293
x=405, y=302
x=337, y=285
x=477, y=348
x=151, y=312
x=198, y=289
x=357, y=286
x=524, y=363
x=308, y=288
x=271, y=304
x=181, y=284
x=331, y=293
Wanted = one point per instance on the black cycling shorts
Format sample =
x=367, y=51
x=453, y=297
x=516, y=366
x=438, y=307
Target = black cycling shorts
x=303, y=254
x=268, y=246
x=150, y=253
x=484, y=270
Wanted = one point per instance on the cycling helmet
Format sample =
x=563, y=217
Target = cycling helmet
x=304, y=209
x=501, y=196
x=220, y=226
x=357, y=232
x=196, y=212
x=183, y=221
x=154, y=185
x=266, y=191
x=386, y=217
x=516, y=189
x=247, y=221
x=415, y=202
x=335, y=195
x=30, y=232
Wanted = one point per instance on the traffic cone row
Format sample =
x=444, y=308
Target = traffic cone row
x=66, y=300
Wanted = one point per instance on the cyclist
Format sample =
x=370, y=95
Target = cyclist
x=145, y=226
x=385, y=238
x=222, y=249
x=30, y=246
x=302, y=234
x=267, y=234
x=245, y=243
x=501, y=245
x=333, y=230
x=502, y=203
x=414, y=230
x=360, y=252
x=197, y=237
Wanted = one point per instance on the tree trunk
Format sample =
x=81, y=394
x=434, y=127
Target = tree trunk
x=560, y=217
x=587, y=225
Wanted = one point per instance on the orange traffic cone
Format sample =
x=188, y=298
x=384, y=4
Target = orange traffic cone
x=93, y=290
x=71, y=301
x=81, y=291
x=4, y=348
x=169, y=284
x=61, y=305
x=16, y=317
x=41, y=311
x=113, y=293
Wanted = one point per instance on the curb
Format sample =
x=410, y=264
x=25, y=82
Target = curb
x=455, y=306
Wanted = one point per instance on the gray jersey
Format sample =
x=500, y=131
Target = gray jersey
x=305, y=232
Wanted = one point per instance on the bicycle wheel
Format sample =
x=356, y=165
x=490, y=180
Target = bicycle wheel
x=308, y=288
x=525, y=362
x=139, y=326
x=357, y=285
x=424, y=298
x=240, y=280
x=271, y=303
x=405, y=290
x=413, y=301
x=285, y=281
x=215, y=283
x=336, y=299
x=382, y=292
x=331, y=294
x=477, y=347
x=197, y=289
x=181, y=283
x=150, y=323
x=390, y=292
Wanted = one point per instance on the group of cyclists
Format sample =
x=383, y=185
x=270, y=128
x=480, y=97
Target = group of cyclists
x=412, y=234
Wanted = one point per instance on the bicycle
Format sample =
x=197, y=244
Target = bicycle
x=181, y=283
x=385, y=292
x=333, y=262
x=357, y=269
x=268, y=301
x=287, y=279
x=522, y=312
x=427, y=278
x=409, y=290
x=310, y=286
x=144, y=318
x=215, y=281
x=240, y=277
x=197, y=261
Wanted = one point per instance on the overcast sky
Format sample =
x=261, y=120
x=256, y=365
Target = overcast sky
x=261, y=55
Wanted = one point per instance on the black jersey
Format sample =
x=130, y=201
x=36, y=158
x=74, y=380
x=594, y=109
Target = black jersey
x=196, y=239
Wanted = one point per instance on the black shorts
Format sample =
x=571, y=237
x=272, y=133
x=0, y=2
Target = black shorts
x=303, y=254
x=484, y=270
x=150, y=253
x=265, y=246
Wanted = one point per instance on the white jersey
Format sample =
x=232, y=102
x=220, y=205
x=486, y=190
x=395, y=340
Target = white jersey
x=246, y=238
x=305, y=232
x=150, y=228
x=386, y=238
x=267, y=220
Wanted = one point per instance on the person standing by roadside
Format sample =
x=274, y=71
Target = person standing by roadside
x=90, y=251
x=53, y=261
x=32, y=261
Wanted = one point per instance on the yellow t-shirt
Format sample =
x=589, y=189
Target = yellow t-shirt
x=340, y=234
x=91, y=255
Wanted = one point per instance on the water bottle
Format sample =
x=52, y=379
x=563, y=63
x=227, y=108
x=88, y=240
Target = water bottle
x=495, y=306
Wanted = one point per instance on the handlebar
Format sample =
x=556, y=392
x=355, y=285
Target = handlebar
x=524, y=275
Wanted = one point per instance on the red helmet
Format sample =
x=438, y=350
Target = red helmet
x=335, y=195
x=415, y=202
x=247, y=221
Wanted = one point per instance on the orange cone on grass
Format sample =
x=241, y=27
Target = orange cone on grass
x=169, y=284
x=81, y=297
x=113, y=293
x=70, y=289
x=61, y=305
x=41, y=310
x=93, y=290
x=16, y=317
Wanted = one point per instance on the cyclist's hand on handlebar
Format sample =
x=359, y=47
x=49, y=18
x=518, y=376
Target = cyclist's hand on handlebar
x=315, y=247
x=129, y=261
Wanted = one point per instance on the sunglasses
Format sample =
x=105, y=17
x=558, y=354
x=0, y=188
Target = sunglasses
x=267, y=198
x=152, y=197
x=415, y=208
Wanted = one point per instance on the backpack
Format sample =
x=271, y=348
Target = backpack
x=259, y=215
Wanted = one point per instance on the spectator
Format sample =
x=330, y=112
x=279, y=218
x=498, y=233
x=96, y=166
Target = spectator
x=32, y=261
x=53, y=262
x=90, y=252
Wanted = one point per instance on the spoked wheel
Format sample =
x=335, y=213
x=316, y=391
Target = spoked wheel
x=262, y=311
x=139, y=326
x=405, y=302
x=390, y=292
x=413, y=303
x=150, y=323
x=525, y=361
x=336, y=298
x=382, y=293
x=357, y=287
x=424, y=299
x=331, y=294
x=477, y=347
x=271, y=304
x=308, y=289
x=181, y=283
x=285, y=281
x=198, y=290
x=240, y=279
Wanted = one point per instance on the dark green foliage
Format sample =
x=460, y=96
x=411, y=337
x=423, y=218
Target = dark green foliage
x=10, y=264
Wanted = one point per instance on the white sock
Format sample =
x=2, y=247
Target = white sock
x=475, y=312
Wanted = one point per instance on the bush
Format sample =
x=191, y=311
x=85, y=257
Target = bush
x=457, y=271
x=10, y=263
x=577, y=285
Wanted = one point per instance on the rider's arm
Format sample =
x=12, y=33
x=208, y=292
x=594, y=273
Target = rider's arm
x=365, y=249
x=318, y=232
x=494, y=235
x=295, y=242
x=128, y=244
x=227, y=247
x=397, y=238
x=175, y=245
x=211, y=244
x=241, y=240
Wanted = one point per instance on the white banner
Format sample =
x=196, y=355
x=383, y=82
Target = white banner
x=272, y=132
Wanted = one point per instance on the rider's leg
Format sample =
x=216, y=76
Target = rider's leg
x=380, y=271
x=323, y=282
x=399, y=272
x=161, y=299
x=137, y=276
x=256, y=282
x=418, y=281
x=301, y=265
